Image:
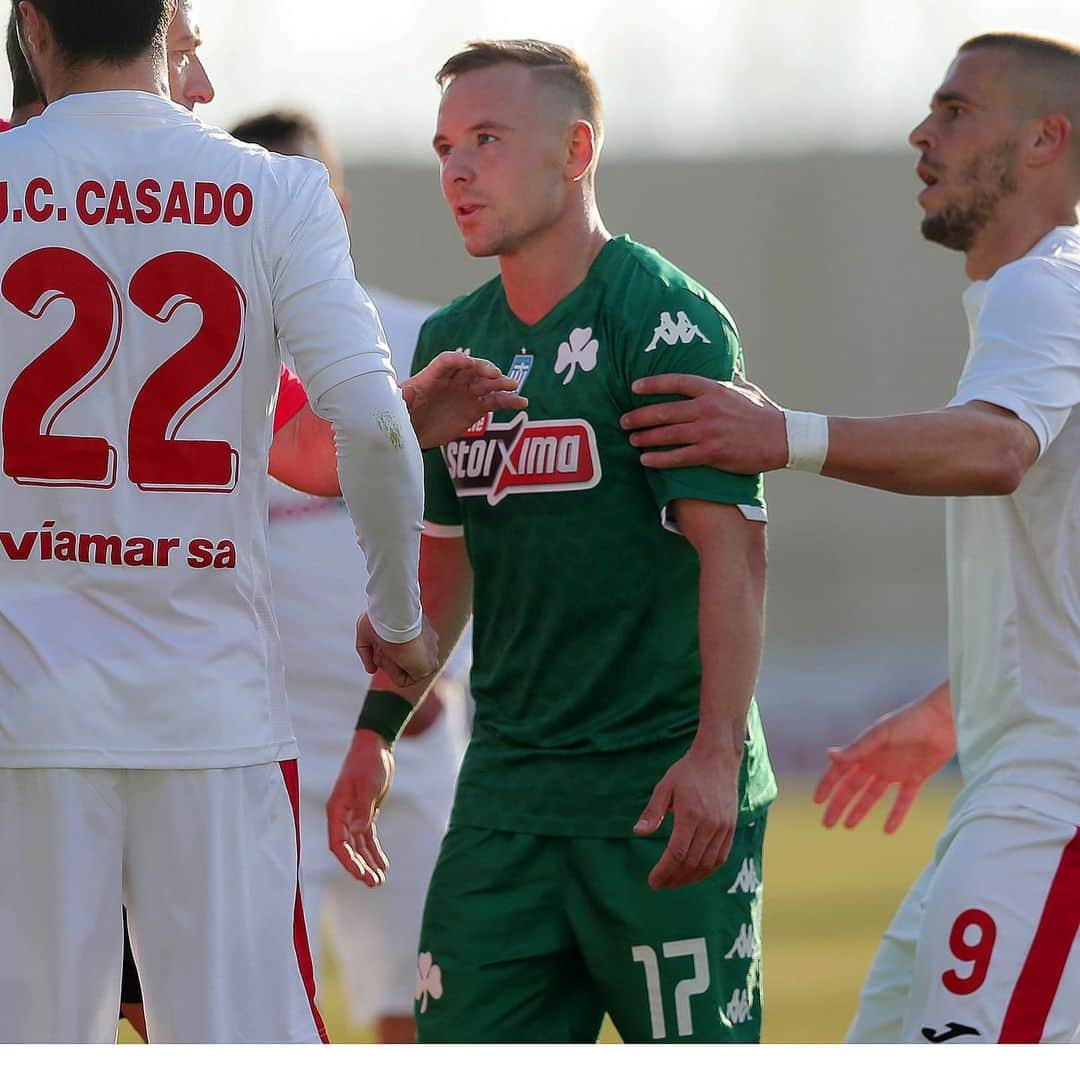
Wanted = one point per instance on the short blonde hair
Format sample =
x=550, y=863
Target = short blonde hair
x=555, y=64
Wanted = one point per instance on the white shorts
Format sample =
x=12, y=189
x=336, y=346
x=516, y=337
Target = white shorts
x=984, y=947
x=206, y=862
x=373, y=933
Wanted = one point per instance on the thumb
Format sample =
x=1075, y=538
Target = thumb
x=656, y=810
x=866, y=743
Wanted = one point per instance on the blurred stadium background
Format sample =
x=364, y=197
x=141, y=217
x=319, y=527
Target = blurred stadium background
x=760, y=145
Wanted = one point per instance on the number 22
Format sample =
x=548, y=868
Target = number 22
x=157, y=458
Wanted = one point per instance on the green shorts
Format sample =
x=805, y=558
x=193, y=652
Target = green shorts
x=534, y=938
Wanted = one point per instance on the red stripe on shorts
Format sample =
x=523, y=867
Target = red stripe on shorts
x=1040, y=976
x=291, y=775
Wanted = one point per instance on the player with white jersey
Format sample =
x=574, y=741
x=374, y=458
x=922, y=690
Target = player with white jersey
x=147, y=267
x=373, y=935
x=984, y=948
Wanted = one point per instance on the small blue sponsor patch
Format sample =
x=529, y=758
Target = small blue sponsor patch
x=520, y=368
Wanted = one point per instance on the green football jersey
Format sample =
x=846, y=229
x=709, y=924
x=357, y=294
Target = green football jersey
x=586, y=672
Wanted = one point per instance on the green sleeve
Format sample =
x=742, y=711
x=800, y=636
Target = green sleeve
x=680, y=332
x=441, y=505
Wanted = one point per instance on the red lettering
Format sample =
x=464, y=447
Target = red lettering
x=239, y=204
x=99, y=549
x=64, y=549
x=19, y=552
x=146, y=195
x=120, y=206
x=225, y=559
x=82, y=203
x=139, y=551
x=36, y=211
x=164, y=547
x=200, y=554
x=3, y=200
x=177, y=208
x=207, y=204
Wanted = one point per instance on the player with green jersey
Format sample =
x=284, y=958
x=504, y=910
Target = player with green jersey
x=618, y=618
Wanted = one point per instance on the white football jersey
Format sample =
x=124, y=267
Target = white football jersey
x=148, y=266
x=1014, y=561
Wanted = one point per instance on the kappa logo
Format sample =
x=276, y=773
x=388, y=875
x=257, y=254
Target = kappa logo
x=428, y=980
x=747, y=880
x=671, y=332
x=579, y=351
x=738, y=1008
x=496, y=460
x=745, y=945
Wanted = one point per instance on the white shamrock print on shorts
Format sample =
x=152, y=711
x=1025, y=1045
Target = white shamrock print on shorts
x=428, y=980
x=579, y=351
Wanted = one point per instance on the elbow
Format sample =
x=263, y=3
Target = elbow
x=1007, y=471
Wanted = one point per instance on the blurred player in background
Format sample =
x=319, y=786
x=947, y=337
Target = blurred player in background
x=984, y=948
x=146, y=750
x=373, y=934
x=606, y=693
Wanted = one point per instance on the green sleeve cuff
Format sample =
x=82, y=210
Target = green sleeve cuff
x=385, y=713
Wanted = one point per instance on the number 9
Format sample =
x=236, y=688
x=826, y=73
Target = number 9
x=977, y=952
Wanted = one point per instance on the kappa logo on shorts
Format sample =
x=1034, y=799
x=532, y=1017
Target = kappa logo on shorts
x=496, y=460
x=747, y=880
x=738, y=1008
x=745, y=945
x=428, y=980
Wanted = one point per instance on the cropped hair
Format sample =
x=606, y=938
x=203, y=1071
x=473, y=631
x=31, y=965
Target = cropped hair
x=106, y=31
x=555, y=64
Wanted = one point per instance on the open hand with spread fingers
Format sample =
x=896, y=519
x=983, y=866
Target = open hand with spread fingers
x=452, y=393
x=905, y=748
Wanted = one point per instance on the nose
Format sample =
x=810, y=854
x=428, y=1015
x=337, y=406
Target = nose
x=198, y=88
x=457, y=169
x=920, y=136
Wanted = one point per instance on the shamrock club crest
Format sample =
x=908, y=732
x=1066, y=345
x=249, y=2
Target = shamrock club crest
x=428, y=980
x=523, y=456
x=579, y=351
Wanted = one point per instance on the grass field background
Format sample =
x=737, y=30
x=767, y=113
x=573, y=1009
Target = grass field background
x=829, y=894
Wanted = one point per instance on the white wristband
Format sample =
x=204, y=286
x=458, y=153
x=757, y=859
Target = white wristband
x=808, y=440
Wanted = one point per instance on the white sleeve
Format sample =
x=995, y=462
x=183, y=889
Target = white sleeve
x=1025, y=354
x=382, y=480
x=322, y=314
x=332, y=331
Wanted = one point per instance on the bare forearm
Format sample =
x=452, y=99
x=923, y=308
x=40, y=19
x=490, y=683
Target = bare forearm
x=303, y=455
x=731, y=620
x=731, y=627
x=967, y=450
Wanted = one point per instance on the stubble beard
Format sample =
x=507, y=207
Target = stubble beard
x=991, y=176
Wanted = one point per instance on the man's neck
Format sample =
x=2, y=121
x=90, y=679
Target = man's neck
x=145, y=74
x=1006, y=241
x=552, y=265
